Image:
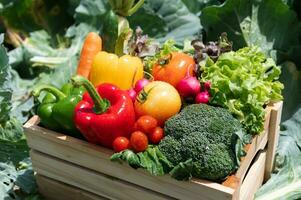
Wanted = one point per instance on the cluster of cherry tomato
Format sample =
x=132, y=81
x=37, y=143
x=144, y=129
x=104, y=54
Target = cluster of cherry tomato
x=146, y=130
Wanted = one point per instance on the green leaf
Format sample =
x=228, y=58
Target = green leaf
x=5, y=90
x=244, y=82
x=183, y=171
x=13, y=146
x=25, y=177
x=151, y=159
x=91, y=12
x=196, y=6
x=31, y=15
x=240, y=141
x=8, y=175
x=291, y=79
x=165, y=20
x=264, y=23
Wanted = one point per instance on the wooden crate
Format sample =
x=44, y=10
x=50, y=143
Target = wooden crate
x=86, y=168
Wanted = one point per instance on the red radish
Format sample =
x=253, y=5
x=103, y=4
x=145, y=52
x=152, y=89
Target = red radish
x=189, y=86
x=140, y=84
x=207, y=85
x=202, y=97
x=132, y=93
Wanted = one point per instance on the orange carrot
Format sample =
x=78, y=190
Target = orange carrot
x=92, y=45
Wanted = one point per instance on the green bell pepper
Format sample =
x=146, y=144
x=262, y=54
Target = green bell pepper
x=57, y=107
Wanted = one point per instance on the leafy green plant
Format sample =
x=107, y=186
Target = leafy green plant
x=47, y=32
x=262, y=23
x=244, y=82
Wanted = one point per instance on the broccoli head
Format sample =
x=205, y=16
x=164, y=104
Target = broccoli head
x=204, y=135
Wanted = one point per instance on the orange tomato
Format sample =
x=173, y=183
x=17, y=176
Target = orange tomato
x=159, y=100
x=179, y=66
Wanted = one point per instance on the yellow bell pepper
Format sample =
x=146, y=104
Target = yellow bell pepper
x=122, y=71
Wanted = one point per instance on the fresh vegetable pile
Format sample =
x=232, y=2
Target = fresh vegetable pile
x=188, y=113
x=185, y=61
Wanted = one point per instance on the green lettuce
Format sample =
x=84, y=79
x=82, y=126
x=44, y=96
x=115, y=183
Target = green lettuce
x=244, y=82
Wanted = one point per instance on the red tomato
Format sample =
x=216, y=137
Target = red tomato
x=179, y=66
x=139, y=141
x=146, y=124
x=120, y=144
x=156, y=135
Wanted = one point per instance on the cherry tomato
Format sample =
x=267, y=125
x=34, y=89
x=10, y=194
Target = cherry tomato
x=120, y=144
x=146, y=124
x=139, y=141
x=159, y=100
x=178, y=67
x=156, y=135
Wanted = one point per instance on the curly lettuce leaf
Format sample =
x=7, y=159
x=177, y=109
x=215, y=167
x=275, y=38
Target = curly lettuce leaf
x=244, y=82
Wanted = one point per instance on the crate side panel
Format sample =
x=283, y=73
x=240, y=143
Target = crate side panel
x=89, y=180
x=274, y=130
x=254, y=178
x=93, y=157
x=55, y=190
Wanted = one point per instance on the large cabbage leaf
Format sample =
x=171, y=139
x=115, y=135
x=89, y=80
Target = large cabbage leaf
x=14, y=170
x=163, y=19
x=264, y=23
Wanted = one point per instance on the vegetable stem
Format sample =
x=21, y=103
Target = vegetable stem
x=135, y=8
x=100, y=105
x=56, y=92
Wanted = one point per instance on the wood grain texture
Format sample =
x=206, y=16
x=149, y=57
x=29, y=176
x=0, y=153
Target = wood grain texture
x=70, y=153
x=274, y=130
x=254, y=178
x=97, y=158
x=55, y=190
x=88, y=180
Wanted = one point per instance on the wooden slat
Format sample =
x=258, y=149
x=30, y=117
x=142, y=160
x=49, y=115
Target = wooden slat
x=274, y=130
x=89, y=180
x=258, y=143
x=254, y=178
x=98, y=158
x=55, y=190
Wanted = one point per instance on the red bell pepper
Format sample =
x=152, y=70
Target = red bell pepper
x=104, y=113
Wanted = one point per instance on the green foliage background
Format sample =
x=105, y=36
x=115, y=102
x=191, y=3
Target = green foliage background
x=43, y=39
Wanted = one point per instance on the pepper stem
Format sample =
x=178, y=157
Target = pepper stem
x=53, y=90
x=100, y=105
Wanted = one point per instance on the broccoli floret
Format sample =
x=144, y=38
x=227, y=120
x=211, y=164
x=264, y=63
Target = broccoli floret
x=173, y=154
x=217, y=164
x=205, y=134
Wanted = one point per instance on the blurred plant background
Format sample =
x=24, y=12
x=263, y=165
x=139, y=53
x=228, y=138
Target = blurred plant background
x=42, y=39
